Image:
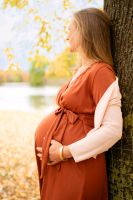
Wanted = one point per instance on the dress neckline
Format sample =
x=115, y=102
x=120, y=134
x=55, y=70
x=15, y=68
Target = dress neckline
x=71, y=83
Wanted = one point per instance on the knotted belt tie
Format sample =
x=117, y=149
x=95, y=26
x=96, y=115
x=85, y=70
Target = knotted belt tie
x=70, y=117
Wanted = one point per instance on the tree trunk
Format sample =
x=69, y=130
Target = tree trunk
x=119, y=158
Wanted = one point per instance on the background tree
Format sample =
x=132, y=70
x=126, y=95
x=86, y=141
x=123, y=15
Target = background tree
x=37, y=71
x=119, y=158
x=1, y=76
x=13, y=72
x=15, y=3
x=61, y=66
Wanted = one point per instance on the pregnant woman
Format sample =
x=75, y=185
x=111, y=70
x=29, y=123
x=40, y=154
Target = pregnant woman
x=71, y=141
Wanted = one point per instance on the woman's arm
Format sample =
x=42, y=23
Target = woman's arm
x=99, y=140
x=66, y=152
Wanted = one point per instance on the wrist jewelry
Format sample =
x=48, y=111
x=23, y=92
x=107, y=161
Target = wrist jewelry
x=61, y=153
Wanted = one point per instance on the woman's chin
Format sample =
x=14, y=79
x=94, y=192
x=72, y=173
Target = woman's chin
x=72, y=49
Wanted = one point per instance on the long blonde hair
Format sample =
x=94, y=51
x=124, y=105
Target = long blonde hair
x=94, y=26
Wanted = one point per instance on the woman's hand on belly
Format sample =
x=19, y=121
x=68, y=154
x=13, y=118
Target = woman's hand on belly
x=54, y=152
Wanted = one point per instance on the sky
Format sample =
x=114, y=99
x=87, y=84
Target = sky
x=19, y=31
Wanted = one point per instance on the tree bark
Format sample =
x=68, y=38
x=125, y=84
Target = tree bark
x=119, y=158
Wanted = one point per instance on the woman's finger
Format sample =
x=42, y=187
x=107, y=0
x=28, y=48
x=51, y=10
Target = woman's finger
x=52, y=163
x=39, y=155
x=39, y=149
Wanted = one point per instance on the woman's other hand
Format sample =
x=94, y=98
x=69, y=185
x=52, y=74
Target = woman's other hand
x=54, y=152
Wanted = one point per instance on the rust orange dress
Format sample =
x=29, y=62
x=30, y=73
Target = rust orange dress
x=71, y=121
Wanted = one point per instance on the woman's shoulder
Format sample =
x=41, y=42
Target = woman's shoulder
x=102, y=65
x=102, y=69
x=100, y=80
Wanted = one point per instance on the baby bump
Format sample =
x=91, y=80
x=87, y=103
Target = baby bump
x=76, y=131
x=66, y=130
x=43, y=127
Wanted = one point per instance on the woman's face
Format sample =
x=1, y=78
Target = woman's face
x=73, y=37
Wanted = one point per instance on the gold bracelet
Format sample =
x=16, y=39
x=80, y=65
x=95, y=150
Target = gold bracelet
x=61, y=153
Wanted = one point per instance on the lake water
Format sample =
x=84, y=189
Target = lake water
x=22, y=97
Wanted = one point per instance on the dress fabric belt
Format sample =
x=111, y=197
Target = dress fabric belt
x=71, y=117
